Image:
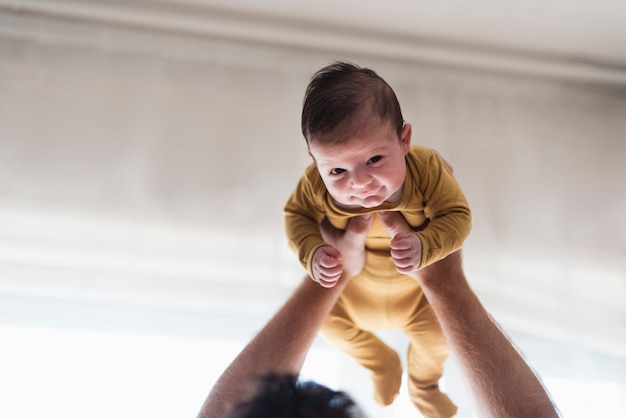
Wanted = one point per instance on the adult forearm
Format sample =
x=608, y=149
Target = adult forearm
x=501, y=382
x=281, y=346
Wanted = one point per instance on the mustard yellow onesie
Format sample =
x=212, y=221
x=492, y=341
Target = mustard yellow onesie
x=380, y=298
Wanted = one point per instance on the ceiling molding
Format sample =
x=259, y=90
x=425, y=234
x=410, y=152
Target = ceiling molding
x=207, y=22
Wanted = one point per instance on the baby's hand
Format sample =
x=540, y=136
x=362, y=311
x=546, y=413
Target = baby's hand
x=406, y=247
x=345, y=253
x=327, y=266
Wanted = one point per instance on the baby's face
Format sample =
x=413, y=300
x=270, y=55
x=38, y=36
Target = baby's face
x=365, y=170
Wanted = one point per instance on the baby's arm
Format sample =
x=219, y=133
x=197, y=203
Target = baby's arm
x=406, y=245
x=303, y=213
x=323, y=253
x=446, y=208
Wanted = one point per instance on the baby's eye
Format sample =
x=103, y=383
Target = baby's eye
x=336, y=171
x=374, y=159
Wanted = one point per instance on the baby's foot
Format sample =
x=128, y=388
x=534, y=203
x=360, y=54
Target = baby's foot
x=387, y=383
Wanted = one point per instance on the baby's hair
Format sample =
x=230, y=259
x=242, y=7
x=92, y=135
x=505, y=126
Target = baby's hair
x=342, y=98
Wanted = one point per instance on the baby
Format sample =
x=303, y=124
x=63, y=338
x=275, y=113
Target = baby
x=366, y=170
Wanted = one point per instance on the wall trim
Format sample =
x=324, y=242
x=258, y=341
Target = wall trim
x=228, y=25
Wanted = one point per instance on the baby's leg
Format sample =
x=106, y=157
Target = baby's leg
x=368, y=350
x=428, y=351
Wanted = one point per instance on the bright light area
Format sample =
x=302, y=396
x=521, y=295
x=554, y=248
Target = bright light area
x=56, y=373
x=71, y=373
x=583, y=399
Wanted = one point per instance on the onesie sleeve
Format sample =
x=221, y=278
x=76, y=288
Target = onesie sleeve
x=445, y=207
x=303, y=215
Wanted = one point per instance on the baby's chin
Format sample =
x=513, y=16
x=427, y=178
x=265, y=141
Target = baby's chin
x=366, y=203
x=370, y=202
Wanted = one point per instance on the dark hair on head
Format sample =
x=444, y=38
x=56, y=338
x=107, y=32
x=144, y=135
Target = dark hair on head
x=340, y=99
x=282, y=396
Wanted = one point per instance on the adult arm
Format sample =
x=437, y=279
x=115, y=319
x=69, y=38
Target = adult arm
x=499, y=379
x=281, y=346
x=283, y=343
x=502, y=383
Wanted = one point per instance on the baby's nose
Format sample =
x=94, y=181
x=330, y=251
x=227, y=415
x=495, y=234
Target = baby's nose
x=360, y=180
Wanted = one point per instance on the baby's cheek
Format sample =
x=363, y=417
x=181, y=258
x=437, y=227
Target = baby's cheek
x=338, y=195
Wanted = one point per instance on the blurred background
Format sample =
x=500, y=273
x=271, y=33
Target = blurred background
x=147, y=149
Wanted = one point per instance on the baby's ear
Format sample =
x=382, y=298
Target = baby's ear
x=405, y=137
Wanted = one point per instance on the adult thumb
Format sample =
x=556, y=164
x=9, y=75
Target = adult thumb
x=360, y=224
x=394, y=223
